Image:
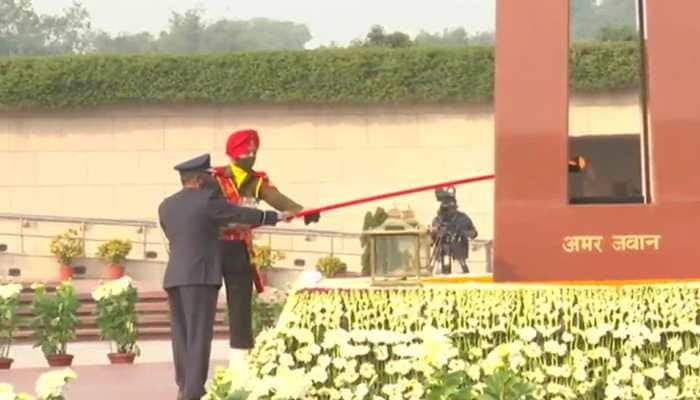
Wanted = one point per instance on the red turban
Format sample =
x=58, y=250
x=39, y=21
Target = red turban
x=242, y=142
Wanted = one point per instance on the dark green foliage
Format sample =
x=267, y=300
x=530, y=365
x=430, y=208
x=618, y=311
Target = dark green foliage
x=336, y=76
x=504, y=384
x=605, y=66
x=371, y=221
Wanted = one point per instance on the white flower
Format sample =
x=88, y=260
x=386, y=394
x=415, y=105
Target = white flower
x=361, y=391
x=7, y=392
x=324, y=360
x=291, y=384
x=655, y=373
x=346, y=394
x=675, y=344
x=474, y=372
x=532, y=350
x=527, y=334
x=554, y=347
x=10, y=291
x=593, y=335
x=673, y=370
x=456, y=365
x=367, y=370
x=51, y=384
x=318, y=374
x=382, y=353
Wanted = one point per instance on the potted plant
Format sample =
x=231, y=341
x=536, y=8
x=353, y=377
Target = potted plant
x=9, y=303
x=264, y=258
x=66, y=247
x=55, y=321
x=114, y=252
x=331, y=266
x=117, y=318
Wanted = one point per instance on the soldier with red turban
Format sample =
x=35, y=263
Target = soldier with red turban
x=242, y=185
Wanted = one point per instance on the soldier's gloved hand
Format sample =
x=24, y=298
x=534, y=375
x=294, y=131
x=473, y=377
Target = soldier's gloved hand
x=311, y=218
x=270, y=218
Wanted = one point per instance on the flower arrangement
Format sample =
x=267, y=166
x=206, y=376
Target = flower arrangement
x=116, y=315
x=264, y=257
x=565, y=342
x=114, y=251
x=9, y=304
x=267, y=308
x=7, y=392
x=49, y=386
x=67, y=246
x=55, y=319
x=331, y=266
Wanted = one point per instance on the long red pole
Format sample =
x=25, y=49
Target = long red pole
x=393, y=194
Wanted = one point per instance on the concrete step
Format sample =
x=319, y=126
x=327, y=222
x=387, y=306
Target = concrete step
x=86, y=298
x=93, y=334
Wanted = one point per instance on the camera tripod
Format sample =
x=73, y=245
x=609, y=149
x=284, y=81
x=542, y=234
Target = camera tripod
x=442, y=255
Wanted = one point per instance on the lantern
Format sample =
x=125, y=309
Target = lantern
x=398, y=254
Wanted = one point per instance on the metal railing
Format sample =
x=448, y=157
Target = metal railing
x=143, y=227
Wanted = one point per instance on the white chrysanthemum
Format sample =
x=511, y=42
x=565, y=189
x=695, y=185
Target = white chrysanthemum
x=532, y=350
x=286, y=360
x=9, y=291
x=381, y=352
x=291, y=384
x=51, y=384
x=675, y=344
x=527, y=334
x=361, y=391
x=655, y=373
x=324, y=360
x=346, y=394
x=367, y=370
x=554, y=347
x=318, y=374
x=7, y=392
x=673, y=370
x=456, y=365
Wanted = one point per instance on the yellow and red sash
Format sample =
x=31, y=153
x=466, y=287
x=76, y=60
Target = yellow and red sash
x=232, y=195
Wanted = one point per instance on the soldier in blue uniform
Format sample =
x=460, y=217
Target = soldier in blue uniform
x=191, y=219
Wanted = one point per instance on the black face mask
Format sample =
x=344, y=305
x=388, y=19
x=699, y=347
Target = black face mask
x=246, y=163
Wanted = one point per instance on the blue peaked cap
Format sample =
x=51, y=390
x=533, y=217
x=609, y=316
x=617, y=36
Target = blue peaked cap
x=201, y=163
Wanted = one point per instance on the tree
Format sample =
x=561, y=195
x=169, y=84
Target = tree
x=137, y=43
x=185, y=34
x=188, y=33
x=377, y=37
x=260, y=34
x=69, y=33
x=20, y=29
x=23, y=32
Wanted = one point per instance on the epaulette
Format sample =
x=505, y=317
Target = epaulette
x=264, y=180
x=219, y=171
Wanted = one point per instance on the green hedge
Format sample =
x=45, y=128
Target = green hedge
x=345, y=76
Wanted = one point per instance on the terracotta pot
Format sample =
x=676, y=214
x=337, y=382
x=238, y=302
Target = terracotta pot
x=121, y=358
x=6, y=363
x=60, y=360
x=115, y=271
x=65, y=272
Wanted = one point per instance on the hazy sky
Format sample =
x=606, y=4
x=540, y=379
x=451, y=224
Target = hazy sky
x=328, y=20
